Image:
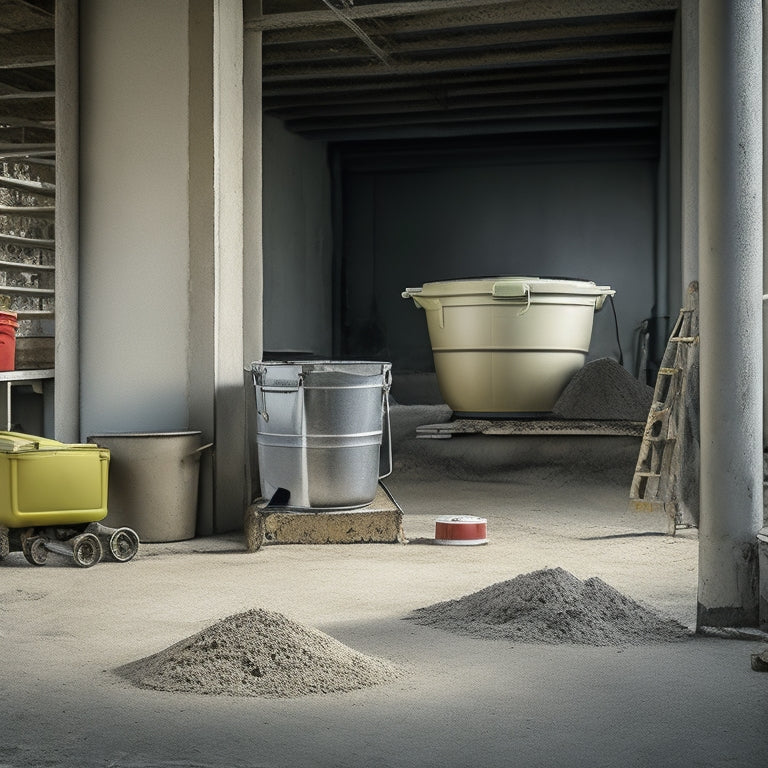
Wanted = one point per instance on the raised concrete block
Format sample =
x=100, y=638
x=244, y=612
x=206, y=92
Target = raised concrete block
x=380, y=522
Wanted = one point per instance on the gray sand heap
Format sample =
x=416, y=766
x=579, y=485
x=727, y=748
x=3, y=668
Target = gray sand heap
x=258, y=653
x=603, y=389
x=552, y=606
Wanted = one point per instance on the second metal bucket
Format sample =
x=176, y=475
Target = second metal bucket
x=321, y=426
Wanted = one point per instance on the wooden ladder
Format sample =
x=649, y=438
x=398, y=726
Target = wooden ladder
x=666, y=475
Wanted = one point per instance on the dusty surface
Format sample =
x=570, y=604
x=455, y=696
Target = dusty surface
x=463, y=701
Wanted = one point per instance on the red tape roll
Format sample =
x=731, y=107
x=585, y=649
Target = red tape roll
x=460, y=529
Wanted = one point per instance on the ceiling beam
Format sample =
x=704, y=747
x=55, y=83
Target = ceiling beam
x=487, y=126
x=468, y=62
x=625, y=71
x=22, y=49
x=403, y=32
x=410, y=48
x=472, y=115
x=35, y=109
x=476, y=12
x=477, y=100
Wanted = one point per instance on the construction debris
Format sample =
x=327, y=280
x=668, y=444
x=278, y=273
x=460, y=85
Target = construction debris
x=604, y=390
x=760, y=661
x=258, y=653
x=552, y=606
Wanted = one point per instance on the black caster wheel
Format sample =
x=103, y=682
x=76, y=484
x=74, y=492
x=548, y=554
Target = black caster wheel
x=34, y=550
x=86, y=550
x=124, y=544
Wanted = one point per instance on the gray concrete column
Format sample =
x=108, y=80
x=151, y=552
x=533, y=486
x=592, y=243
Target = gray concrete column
x=67, y=326
x=765, y=238
x=230, y=462
x=253, y=240
x=689, y=12
x=731, y=243
x=215, y=352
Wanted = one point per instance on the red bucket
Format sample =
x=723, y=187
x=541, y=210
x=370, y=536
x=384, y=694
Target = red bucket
x=8, y=326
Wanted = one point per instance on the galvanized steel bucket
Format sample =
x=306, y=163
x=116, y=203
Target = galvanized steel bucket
x=321, y=429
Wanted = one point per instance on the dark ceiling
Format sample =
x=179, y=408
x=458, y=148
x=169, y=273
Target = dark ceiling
x=368, y=69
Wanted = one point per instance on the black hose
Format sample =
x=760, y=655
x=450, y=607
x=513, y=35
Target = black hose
x=616, y=324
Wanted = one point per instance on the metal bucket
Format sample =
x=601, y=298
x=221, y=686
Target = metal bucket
x=153, y=482
x=320, y=431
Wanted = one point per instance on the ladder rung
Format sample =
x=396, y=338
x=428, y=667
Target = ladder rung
x=647, y=474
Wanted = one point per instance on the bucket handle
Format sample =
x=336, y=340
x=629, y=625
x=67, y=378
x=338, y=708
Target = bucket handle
x=198, y=450
x=276, y=389
x=387, y=436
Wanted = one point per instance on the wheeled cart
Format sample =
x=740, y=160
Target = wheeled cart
x=52, y=497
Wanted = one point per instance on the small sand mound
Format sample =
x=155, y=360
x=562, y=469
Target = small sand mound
x=552, y=606
x=603, y=389
x=258, y=653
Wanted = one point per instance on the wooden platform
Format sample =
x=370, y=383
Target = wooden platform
x=448, y=429
x=380, y=522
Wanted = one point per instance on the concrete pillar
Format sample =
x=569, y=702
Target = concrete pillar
x=731, y=243
x=689, y=12
x=253, y=282
x=661, y=266
x=67, y=343
x=215, y=352
x=675, y=137
x=765, y=241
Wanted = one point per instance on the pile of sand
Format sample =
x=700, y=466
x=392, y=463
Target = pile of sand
x=552, y=606
x=258, y=653
x=604, y=389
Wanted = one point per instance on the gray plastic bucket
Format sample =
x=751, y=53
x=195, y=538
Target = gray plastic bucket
x=153, y=482
x=320, y=430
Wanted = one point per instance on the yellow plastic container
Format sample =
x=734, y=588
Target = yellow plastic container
x=47, y=483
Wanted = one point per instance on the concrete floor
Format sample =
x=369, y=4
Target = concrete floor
x=464, y=702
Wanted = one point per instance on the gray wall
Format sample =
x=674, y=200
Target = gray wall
x=297, y=243
x=590, y=219
x=134, y=258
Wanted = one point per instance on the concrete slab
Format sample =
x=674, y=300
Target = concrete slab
x=463, y=701
x=551, y=427
x=380, y=522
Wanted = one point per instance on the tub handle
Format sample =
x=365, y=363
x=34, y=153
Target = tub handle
x=605, y=292
x=513, y=289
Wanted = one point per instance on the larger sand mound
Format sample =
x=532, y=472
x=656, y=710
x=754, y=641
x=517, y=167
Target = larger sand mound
x=552, y=606
x=258, y=653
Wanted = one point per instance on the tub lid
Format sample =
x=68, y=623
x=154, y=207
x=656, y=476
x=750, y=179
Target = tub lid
x=509, y=287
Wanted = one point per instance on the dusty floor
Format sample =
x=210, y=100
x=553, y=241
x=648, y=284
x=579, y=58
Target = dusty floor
x=464, y=702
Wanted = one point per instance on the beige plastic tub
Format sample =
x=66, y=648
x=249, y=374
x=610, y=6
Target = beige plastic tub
x=153, y=482
x=506, y=345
